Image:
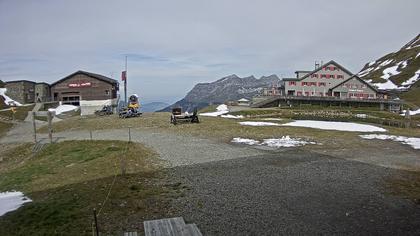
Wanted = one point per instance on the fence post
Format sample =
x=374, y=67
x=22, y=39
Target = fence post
x=34, y=124
x=129, y=134
x=90, y=132
x=49, y=117
x=96, y=222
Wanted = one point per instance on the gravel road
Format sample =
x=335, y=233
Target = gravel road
x=294, y=192
x=175, y=149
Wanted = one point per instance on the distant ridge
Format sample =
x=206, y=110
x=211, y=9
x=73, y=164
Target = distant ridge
x=228, y=88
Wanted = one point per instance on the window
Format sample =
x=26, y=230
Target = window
x=326, y=68
x=314, y=76
x=332, y=76
x=312, y=83
x=340, y=76
x=323, y=76
x=306, y=93
x=304, y=83
x=332, y=68
x=321, y=84
x=292, y=83
x=107, y=92
x=299, y=93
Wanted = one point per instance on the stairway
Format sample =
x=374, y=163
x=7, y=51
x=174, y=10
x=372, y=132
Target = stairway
x=170, y=227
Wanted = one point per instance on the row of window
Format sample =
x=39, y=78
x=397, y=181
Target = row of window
x=327, y=76
x=355, y=86
x=320, y=84
x=320, y=94
x=360, y=95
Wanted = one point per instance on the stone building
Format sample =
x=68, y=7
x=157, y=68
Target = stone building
x=22, y=91
x=42, y=92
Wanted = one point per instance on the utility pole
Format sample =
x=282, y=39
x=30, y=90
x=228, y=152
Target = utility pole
x=125, y=82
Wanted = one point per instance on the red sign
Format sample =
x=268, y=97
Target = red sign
x=78, y=85
x=124, y=75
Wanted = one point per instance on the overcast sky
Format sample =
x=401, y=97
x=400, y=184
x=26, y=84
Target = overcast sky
x=172, y=45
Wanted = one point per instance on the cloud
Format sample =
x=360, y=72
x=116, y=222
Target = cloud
x=171, y=45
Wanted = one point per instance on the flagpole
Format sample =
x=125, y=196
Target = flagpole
x=125, y=82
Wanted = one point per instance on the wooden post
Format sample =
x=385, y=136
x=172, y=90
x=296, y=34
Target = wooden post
x=129, y=134
x=49, y=118
x=34, y=124
x=90, y=132
x=96, y=222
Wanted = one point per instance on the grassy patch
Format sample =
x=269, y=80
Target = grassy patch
x=67, y=180
x=21, y=112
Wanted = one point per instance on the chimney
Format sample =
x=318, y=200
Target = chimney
x=316, y=65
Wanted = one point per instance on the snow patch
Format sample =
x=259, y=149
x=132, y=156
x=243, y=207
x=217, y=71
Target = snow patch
x=273, y=119
x=412, y=113
x=284, y=141
x=413, y=142
x=258, y=123
x=232, y=116
x=372, y=63
x=384, y=63
x=245, y=141
x=390, y=71
x=335, y=125
x=7, y=100
x=387, y=85
x=365, y=72
x=10, y=201
x=412, y=80
x=220, y=110
x=63, y=108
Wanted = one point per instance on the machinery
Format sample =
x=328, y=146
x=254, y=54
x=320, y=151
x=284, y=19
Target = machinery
x=177, y=116
x=132, y=109
x=106, y=110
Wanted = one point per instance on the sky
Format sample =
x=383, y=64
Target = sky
x=173, y=45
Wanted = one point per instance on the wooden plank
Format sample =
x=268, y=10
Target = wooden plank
x=192, y=230
x=164, y=227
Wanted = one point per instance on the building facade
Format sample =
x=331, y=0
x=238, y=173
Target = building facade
x=85, y=89
x=22, y=91
x=317, y=82
x=354, y=88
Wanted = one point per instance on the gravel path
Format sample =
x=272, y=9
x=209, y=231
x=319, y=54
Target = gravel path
x=294, y=192
x=176, y=149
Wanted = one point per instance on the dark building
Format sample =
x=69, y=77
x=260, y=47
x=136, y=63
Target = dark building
x=88, y=90
x=22, y=91
x=85, y=86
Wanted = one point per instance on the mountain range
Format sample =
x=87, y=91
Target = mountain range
x=153, y=106
x=229, y=88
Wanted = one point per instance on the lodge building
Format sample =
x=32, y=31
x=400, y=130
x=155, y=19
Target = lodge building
x=327, y=84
